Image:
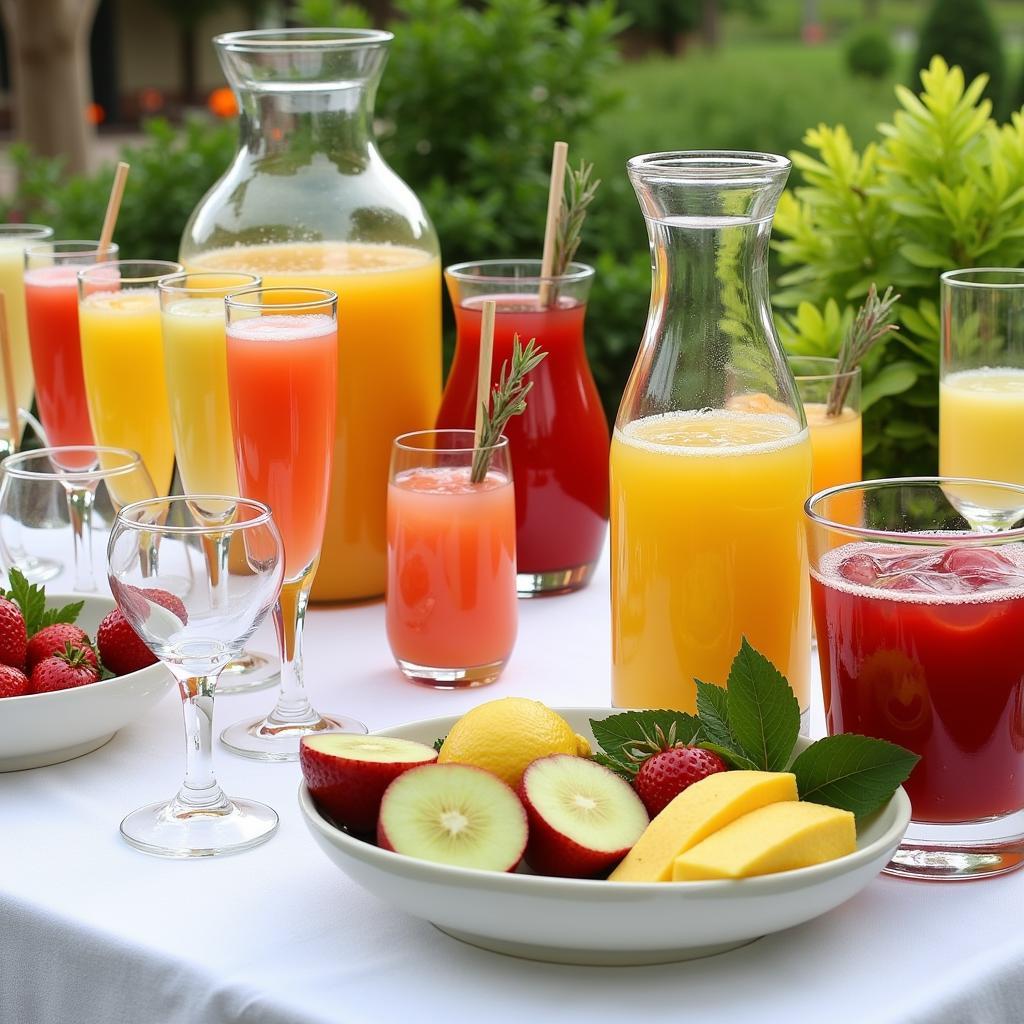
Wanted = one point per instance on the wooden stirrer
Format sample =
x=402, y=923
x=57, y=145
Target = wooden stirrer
x=559, y=159
x=483, y=377
x=113, y=208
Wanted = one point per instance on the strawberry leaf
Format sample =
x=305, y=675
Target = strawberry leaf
x=731, y=757
x=764, y=715
x=619, y=735
x=29, y=598
x=713, y=711
x=624, y=769
x=69, y=613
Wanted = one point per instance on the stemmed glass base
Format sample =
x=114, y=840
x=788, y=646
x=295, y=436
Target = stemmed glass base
x=252, y=671
x=176, y=829
x=276, y=739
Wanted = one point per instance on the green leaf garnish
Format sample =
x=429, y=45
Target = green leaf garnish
x=764, y=714
x=731, y=757
x=439, y=743
x=857, y=773
x=32, y=602
x=713, y=711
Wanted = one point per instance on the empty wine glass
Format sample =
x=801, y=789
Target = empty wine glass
x=51, y=493
x=232, y=543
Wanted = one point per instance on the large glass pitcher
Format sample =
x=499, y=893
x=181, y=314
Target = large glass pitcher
x=711, y=462
x=309, y=201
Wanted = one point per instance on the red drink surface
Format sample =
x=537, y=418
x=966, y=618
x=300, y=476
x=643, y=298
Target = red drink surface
x=51, y=305
x=282, y=389
x=451, y=595
x=923, y=647
x=559, y=446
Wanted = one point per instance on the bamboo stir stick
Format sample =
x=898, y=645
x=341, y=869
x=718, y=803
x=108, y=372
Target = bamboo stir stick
x=113, y=208
x=10, y=398
x=559, y=159
x=483, y=376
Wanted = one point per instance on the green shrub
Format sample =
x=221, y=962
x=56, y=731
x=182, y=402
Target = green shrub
x=940, y=189
x=962, y=32
x=869, y=53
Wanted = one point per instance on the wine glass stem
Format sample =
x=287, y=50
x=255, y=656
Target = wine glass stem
x=200, y=790
x=80, y=502
x=289, y=617
x=216, y=548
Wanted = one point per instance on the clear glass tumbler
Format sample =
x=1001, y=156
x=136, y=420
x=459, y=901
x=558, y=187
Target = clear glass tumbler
x=981, y=388
x=451, y=597
x=919, y=618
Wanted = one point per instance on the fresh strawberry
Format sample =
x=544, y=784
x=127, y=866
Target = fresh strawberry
x=663, y=776
x=171, y=602
x=134, y=600
x=75, y=666
x=13, y=682
x=54, y=639
x=120, y=647
x=13, y=635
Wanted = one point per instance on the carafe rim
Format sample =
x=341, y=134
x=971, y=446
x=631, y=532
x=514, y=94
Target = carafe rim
x=269, y=40
x=575, y=272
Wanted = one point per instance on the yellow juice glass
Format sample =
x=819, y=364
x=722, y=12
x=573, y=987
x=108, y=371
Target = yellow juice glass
x=123, y=361
x=13, y=240
x=708, y=547
x=389, y=320
x=981, y=390
x=195, y=362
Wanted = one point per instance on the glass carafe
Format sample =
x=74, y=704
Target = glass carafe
x=711, y=462
x=309, y=201
x=559, y=445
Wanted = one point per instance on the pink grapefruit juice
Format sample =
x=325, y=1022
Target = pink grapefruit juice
x=51, y=306
x=282, y=373
x=451, y=593
x=922, y=646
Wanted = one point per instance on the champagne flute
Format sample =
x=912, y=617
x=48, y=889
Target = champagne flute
x=282, y=350
x=153, y=544
x=192, y=320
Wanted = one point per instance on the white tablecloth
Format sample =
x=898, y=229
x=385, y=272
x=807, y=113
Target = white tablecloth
x=93, y=931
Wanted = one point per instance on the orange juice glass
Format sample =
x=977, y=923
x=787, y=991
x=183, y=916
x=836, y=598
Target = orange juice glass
x=282, y=351
x=451, y=592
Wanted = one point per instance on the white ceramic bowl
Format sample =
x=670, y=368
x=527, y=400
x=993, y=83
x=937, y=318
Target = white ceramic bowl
x=47, y=728
x=577, y=921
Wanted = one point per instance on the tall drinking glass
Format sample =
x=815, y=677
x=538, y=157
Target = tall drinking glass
x=919, y=616
x=195, y=362
x=14, y=238
x=195, y=636
x=51, y=304
x=282, y=351
x=981, y=387
x=123, y=360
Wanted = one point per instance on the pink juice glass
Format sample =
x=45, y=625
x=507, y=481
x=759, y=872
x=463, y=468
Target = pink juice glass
x=451, y=591
x=282, y=355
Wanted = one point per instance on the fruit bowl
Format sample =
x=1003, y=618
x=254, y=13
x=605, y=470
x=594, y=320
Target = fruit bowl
x=575, y=921
x=47, y=728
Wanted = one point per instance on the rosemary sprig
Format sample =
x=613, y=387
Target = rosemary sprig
x=579, y=194
x=508, y=399
x=874, y=320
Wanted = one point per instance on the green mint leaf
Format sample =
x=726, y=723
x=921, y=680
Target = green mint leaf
x=69, y=613
x=764, y=715
x=855, y=773
x=619, y=735
x=624, y=769
x=29, y=598
x=713, y=711
x=733, y=758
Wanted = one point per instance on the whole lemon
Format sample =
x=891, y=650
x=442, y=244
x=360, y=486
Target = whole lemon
x=504, y=736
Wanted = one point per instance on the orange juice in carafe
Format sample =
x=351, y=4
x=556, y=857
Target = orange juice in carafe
x=389, y=382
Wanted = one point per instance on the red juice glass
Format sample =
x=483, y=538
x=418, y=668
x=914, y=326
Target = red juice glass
x=559, y=446
x=919, y=618
x=51, y=307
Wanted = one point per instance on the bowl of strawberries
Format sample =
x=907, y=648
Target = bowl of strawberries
x=72, y=672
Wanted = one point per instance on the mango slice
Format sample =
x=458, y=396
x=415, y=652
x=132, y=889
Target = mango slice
x=778, y=837
x=701, y=809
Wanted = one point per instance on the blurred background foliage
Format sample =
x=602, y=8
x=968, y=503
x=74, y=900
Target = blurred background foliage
x=474, y=95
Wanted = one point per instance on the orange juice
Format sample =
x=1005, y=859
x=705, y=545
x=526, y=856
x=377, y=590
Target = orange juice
x=281, y=374
x=835, y=456
x=708, y=546
x=389, y=382
x=451, y=599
